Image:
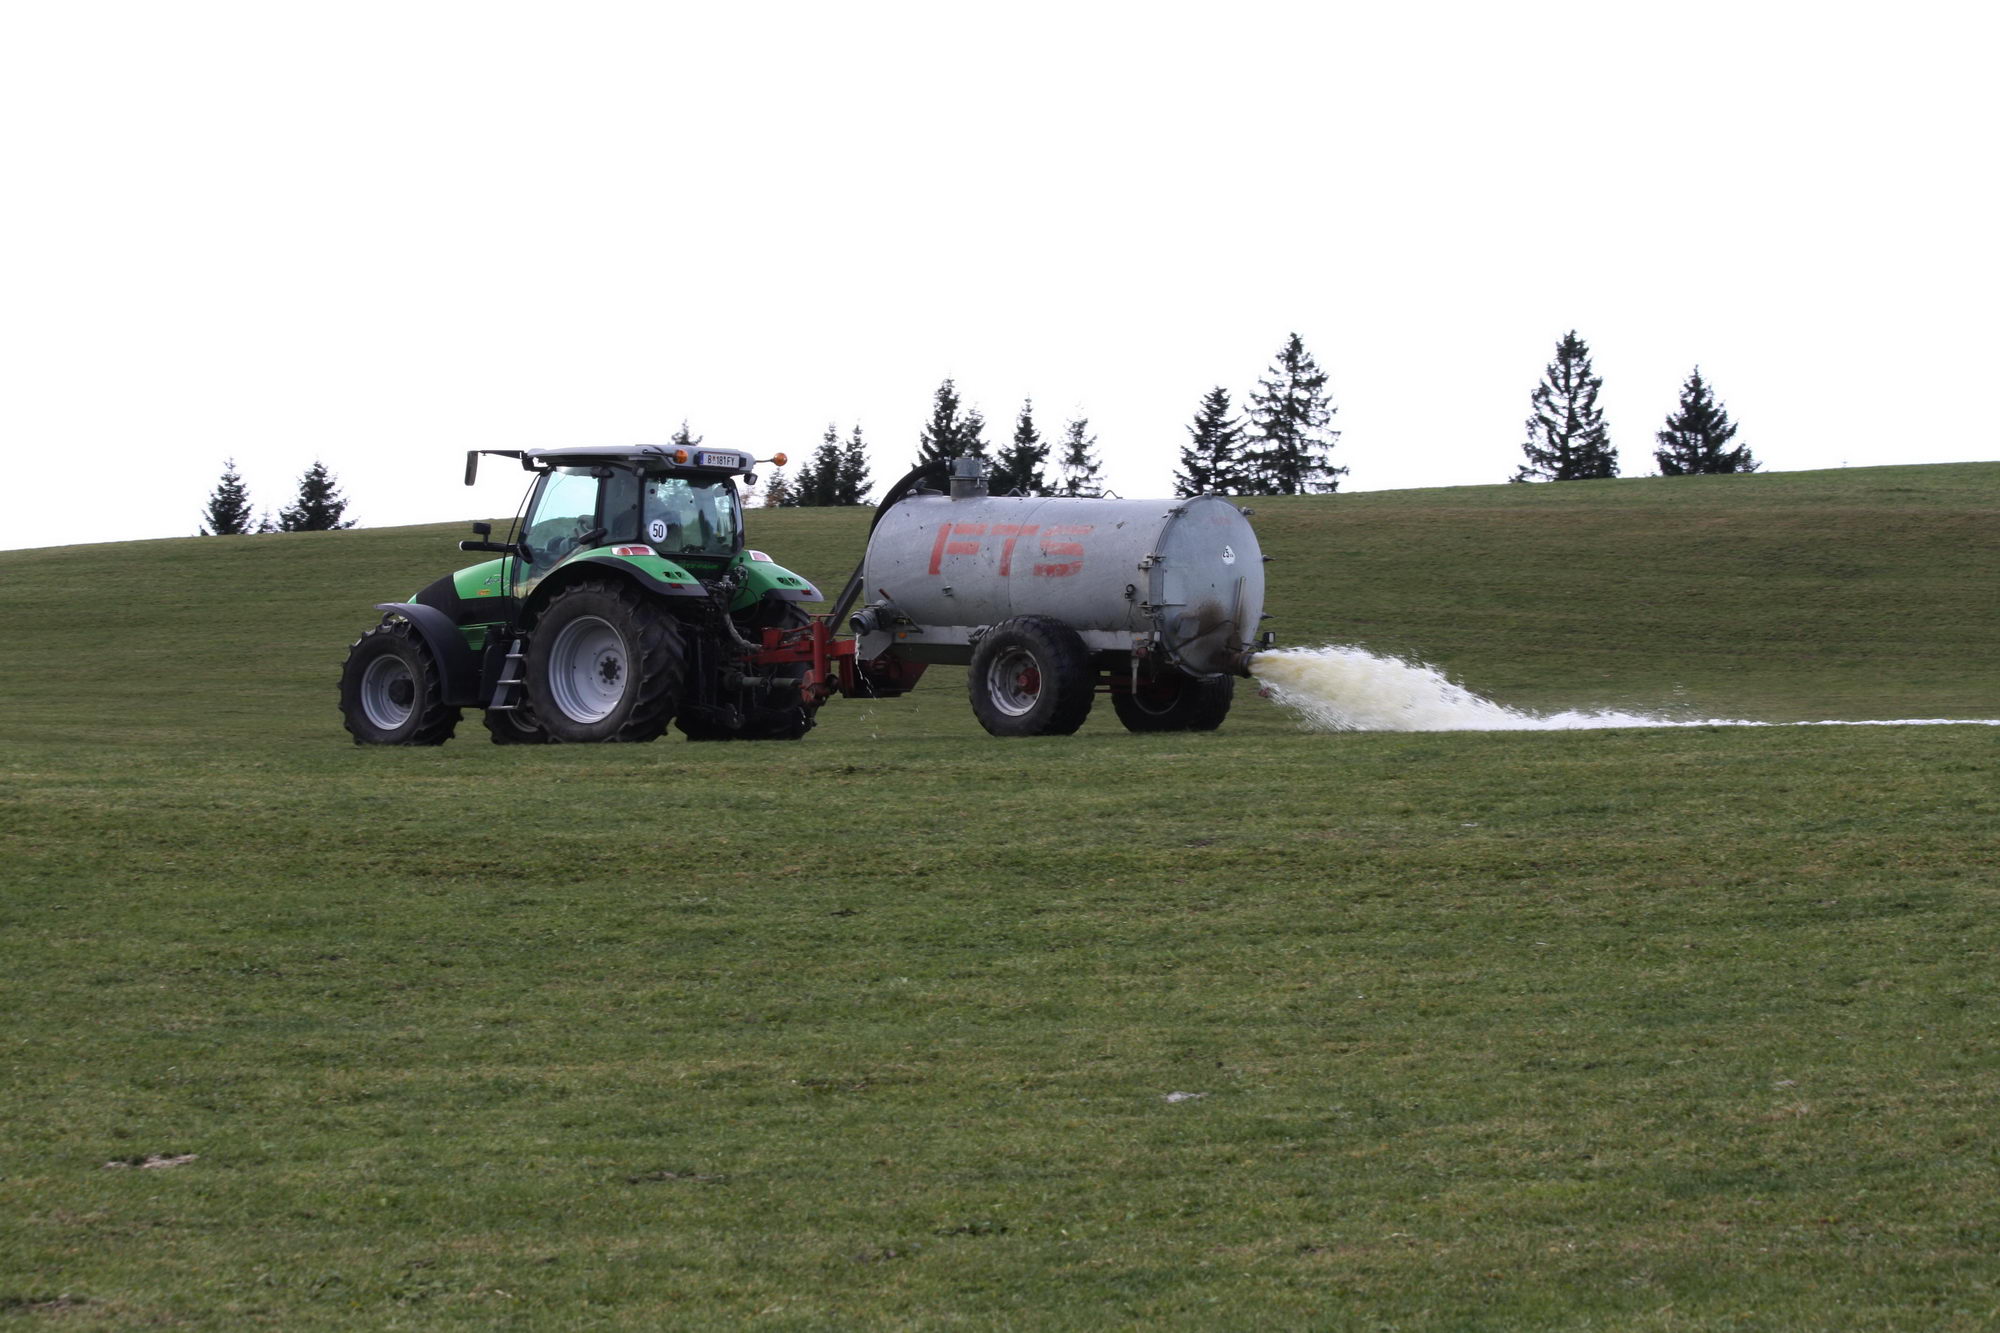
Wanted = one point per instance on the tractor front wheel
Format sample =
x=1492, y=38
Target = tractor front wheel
x=604, y=664
x=1031, y=676
x=391, y=691
x=1173, y=701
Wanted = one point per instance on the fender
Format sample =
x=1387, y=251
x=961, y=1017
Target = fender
x=456, y=663
x=570, y=571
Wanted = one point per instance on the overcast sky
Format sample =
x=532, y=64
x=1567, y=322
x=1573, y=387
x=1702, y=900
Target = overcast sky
x=382, y=234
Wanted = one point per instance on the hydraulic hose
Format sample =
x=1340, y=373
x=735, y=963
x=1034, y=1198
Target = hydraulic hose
x=938, y=469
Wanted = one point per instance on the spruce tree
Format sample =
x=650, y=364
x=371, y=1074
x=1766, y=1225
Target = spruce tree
x=319, y=506
x=1566, y=436
x=819, y=479
x=1212, y=463
x=1019, y=465
x=951, y=433
x=853, y=484
x=778, y=492
x=1294, y=423
x=228, y=511
x=1079, y=463
x=683, y=440
x=1697, y=437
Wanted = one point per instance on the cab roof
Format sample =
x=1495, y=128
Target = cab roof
x=687, y=459
x=697, y=458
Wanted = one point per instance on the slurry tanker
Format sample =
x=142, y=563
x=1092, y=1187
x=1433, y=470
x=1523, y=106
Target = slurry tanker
x=625, y=600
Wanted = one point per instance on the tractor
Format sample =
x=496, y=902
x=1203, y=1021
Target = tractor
x=625, y=601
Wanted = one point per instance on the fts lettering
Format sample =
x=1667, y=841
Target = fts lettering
x=1062, y=556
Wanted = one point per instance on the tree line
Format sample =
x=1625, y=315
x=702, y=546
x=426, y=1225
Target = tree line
x=1281, y=445
x=1567, y=439
x=318, y=507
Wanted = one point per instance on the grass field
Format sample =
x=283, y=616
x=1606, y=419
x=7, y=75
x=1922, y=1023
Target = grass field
x=1675, y=1029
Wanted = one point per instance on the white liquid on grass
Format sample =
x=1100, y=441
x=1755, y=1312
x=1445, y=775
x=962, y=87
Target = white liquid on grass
x=1350, y=689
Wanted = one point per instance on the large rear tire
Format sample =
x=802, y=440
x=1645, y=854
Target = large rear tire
x=781, y=715
x=391, y=691
x=1031, y=676
x=1176, y=702
x=605, y=663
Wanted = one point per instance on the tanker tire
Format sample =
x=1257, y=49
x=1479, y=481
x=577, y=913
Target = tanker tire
x=391, y=691
x=515, y=726
x=1031, y=676
x=1195, y=705
x=605, y=663
x=763, y=722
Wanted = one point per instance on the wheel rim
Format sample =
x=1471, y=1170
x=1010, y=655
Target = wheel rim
x=1014, y=681
x=588, y=673
x=388, y=693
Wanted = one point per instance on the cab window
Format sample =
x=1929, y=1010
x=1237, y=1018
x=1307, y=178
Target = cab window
x=565, y=512
x=691, y=517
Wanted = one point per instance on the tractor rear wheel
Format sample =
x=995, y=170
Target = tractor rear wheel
x=605, y=663
x=783, y=716
x=1031, y=676
x=1176, y=702
x=391, y=691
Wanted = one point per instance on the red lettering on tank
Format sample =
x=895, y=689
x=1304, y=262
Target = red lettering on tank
x=1061, y=569
x=945, y=546
x=1013, y=532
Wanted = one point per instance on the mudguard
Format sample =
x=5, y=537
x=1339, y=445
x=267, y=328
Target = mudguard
x=766, y=580
x=455, y=660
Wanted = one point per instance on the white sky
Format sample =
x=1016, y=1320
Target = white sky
x=384, y=233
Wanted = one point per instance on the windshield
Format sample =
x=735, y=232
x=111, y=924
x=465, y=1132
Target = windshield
x=678, y=515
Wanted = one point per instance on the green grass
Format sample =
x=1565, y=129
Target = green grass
x=1669, y=1029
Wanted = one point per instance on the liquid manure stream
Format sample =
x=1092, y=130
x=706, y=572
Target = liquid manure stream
x=1345, y=688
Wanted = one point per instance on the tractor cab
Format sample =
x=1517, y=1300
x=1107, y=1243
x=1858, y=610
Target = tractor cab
x=627, y=499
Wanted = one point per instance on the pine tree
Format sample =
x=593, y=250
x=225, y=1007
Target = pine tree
x=319, y=506
x=1294, y=423
x=950, y=434
x=777, y=493
x=683, y=440
x=1566, y=436
x=853, y=486
x=1213, y=462
x=1079, y=461
x=819, y=478
x=1697, y=436
x=228, y=511
x=1019, y=465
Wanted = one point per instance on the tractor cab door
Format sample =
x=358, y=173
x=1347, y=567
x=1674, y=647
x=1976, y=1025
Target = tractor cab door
x=567, y=507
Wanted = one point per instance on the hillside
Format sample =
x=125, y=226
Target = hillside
x=1854, y=593
x=905, y=1027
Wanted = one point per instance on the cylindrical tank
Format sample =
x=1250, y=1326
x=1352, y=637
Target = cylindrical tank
x=1182, y=579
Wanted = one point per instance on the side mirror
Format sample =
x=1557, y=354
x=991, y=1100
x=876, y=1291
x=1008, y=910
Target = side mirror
x=482, y=530
x=471, y=466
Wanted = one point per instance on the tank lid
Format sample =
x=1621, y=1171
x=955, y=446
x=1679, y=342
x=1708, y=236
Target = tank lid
x=968, y=478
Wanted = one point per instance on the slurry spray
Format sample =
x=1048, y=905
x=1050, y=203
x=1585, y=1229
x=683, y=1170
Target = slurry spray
x=1344, y=688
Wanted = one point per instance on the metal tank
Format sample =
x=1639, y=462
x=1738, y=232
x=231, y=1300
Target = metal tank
x=1180, y=581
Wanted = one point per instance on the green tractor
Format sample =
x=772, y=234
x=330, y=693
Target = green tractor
x=624, y=601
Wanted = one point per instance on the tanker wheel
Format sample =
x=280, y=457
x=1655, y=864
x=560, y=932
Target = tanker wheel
x=391, y=690
x=783, y=721
x=604, y=664
x=1031, y=676
x=1176, y=702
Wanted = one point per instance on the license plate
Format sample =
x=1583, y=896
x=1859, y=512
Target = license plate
x=708, y=459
